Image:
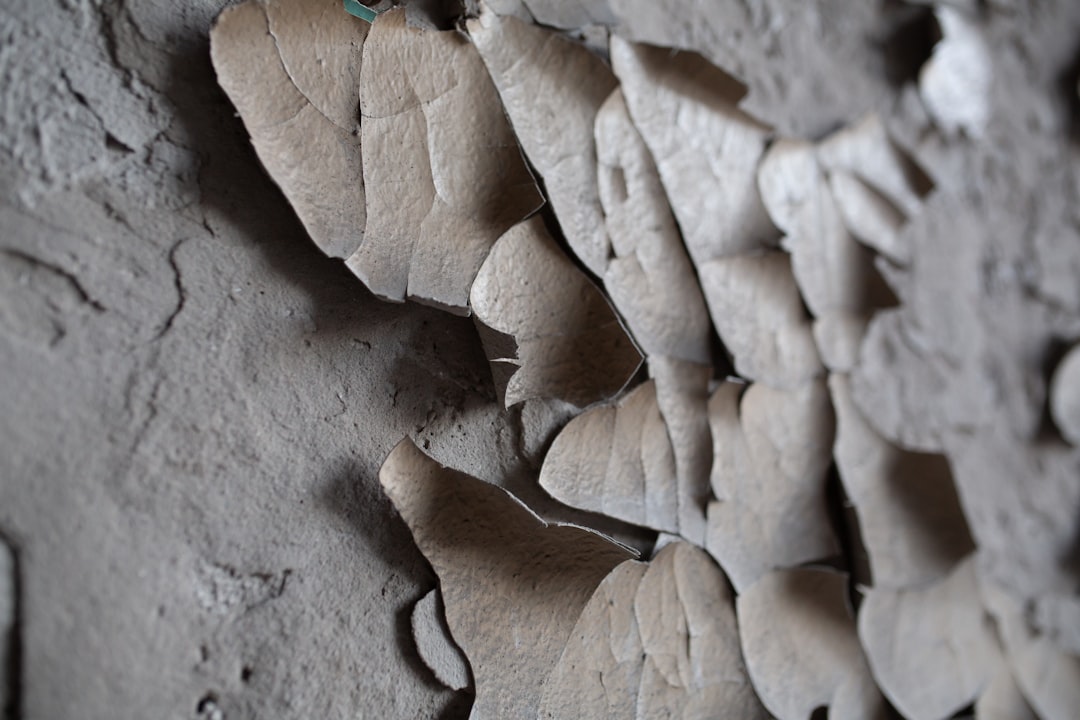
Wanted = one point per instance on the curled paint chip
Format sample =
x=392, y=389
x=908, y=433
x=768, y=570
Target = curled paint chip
x=504, y=573
x=444, y=174
x=706, y=149
x=655, y=640
x=650, y=278
x=292, y=69
x=552, y=88
x=617, y=460
x=866, y=151
x=547, y=330
x=870, y=216
x=758, y=312
x=813, y=195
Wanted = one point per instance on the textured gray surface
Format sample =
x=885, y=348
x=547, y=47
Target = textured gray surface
x=196, y=402
x=8, y=638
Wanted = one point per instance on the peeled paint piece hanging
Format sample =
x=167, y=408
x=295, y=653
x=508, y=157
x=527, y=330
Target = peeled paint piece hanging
x=292, y=69
x=551, y=88
x=513, y=585
x=837, y=201
x=445, y=178
x=547, y=330
x=870, y=216
x=655, y=640
x=640, y=460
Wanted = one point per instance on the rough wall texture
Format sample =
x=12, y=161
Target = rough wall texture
x=196, y=402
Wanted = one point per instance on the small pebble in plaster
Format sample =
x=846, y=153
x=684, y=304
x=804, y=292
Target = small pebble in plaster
x=208, y=709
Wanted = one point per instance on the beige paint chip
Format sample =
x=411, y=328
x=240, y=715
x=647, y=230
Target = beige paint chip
x=655, y=640
x=645, y=459
x=830, y=267
x=444, y=174
x=292, y=69
x=434, y=644
x=839, y=338
x=599, y=671
x=932, y=649
x=834, y=272
x=900, y=410
x=772, y=451
x=548, y=331
x=650, y=278
x=682, y=393
x=551, y=88
x=512, y=584
x=799, y=641
x=758, y=312
x=866, y=151
x=706, y=149
x=909, y=514
x=617, y=460
x=321, y=53
x=870, y=216
x=1002, y=699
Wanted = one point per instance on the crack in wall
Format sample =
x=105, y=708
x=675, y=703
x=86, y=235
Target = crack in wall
x=71, y=279
x=181, y=295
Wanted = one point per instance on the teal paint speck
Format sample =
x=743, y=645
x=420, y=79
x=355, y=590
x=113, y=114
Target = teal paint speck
x=353, y=7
